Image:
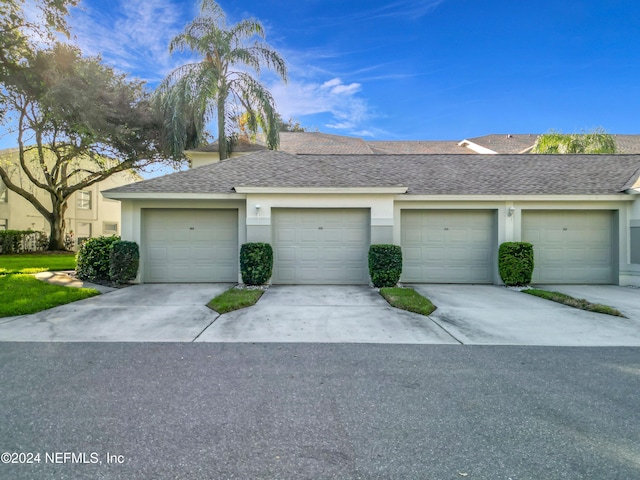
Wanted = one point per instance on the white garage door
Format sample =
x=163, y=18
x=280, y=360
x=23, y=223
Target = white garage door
x=570, y=246
x=448, y=246
x=321, y=246
x=190, y=245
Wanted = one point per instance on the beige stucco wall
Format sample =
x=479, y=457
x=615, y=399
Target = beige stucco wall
x=20, y=214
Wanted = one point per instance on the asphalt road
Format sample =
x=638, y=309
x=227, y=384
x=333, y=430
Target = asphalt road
x=318, y=411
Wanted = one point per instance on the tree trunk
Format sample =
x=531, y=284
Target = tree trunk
x=57, y=225
x=222, y=139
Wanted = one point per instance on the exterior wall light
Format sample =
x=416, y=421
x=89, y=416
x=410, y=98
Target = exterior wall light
x=510, y=211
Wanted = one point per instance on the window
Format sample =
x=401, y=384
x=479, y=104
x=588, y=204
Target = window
x=3, y=193
x=110, y=228
x=83, y=232
x=84, y=200
x=3, y=223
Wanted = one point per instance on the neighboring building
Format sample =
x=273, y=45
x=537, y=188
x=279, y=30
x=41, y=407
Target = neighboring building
x=449, y=213
x=492, y=144
x=523, y=143
x=316, y=143
x=89, y=214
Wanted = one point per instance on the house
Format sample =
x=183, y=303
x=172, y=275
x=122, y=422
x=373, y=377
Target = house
x=317, y=143
x=89, y=214
x=523, y=143
x=449, y=213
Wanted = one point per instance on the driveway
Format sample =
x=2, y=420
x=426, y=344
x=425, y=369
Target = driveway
x=495, y=315
x=468, y=314
x=326, y=314
x=139, y=313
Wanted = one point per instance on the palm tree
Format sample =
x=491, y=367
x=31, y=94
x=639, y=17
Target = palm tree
x=195, y=93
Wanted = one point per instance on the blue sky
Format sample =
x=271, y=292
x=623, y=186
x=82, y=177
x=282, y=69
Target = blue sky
x=413, y=69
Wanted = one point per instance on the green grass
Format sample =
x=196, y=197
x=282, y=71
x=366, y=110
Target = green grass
x=37, y=262
x=574, y=302
x=235, y=299
x=22, y=294
x=407, y=299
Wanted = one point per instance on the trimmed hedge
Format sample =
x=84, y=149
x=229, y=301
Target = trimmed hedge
x=385, y=265
x=515, y=263
x=92, y=260
x=256, y=263
x=20, y=241
x=124, y=260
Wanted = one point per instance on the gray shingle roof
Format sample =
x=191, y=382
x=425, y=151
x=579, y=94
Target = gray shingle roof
x=316, y=143
x=627, y=143
x=422, y=174
x=507, y=143
x=418, y=147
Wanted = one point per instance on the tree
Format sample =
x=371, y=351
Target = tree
x=219, y=85
x=16, y=29
x=77, y=123
x=597, y=141
x=290, y=126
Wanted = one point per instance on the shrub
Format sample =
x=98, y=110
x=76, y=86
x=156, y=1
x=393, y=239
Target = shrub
x=19, y=241
x=124, y=259
x=92, y=260
x=256, y=263
x=515, y=263
x=385, y=265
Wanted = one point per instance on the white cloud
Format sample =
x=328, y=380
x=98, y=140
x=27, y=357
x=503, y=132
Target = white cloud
x=299, y=98
x=133, y=37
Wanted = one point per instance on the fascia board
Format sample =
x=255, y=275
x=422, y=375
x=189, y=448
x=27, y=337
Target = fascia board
x=520, y=198
x=171, y=196
x=328, y=190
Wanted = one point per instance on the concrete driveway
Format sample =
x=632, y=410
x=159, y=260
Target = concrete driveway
x=494, y=315
x=468, y=314
x=139, y=313
x=326, y=314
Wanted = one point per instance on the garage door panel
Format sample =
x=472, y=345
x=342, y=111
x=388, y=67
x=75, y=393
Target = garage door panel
x=449, y=246
x=190, y=245
x=325, y=245
x=570, y=246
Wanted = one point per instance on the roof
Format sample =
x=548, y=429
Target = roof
x=422, y=174
x=418, y=147
x=321, y=143
x=522, y=143
x=507, y=143
x=627, y=143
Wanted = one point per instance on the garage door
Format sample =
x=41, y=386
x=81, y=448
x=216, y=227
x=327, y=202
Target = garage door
x=321, y=246
x=570, y=246
x=190, y=245
x=448, y=246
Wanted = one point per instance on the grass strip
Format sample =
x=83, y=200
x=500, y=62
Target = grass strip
x=407, y=299
x=235, y=299
x=23, y=294
x=568, y=300
x=37, y=262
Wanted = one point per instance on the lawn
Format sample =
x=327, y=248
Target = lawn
x=574, y=302
x=407, y=299
x=21, y=294
x=235, y=299
x=37, y=262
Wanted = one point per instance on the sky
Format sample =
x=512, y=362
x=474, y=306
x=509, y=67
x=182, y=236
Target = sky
x=411, y=69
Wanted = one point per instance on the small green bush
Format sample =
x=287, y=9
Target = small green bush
x=385, y=265
x=256, y=263
x=515, y=263
x=92, y=260
x=124, y=260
